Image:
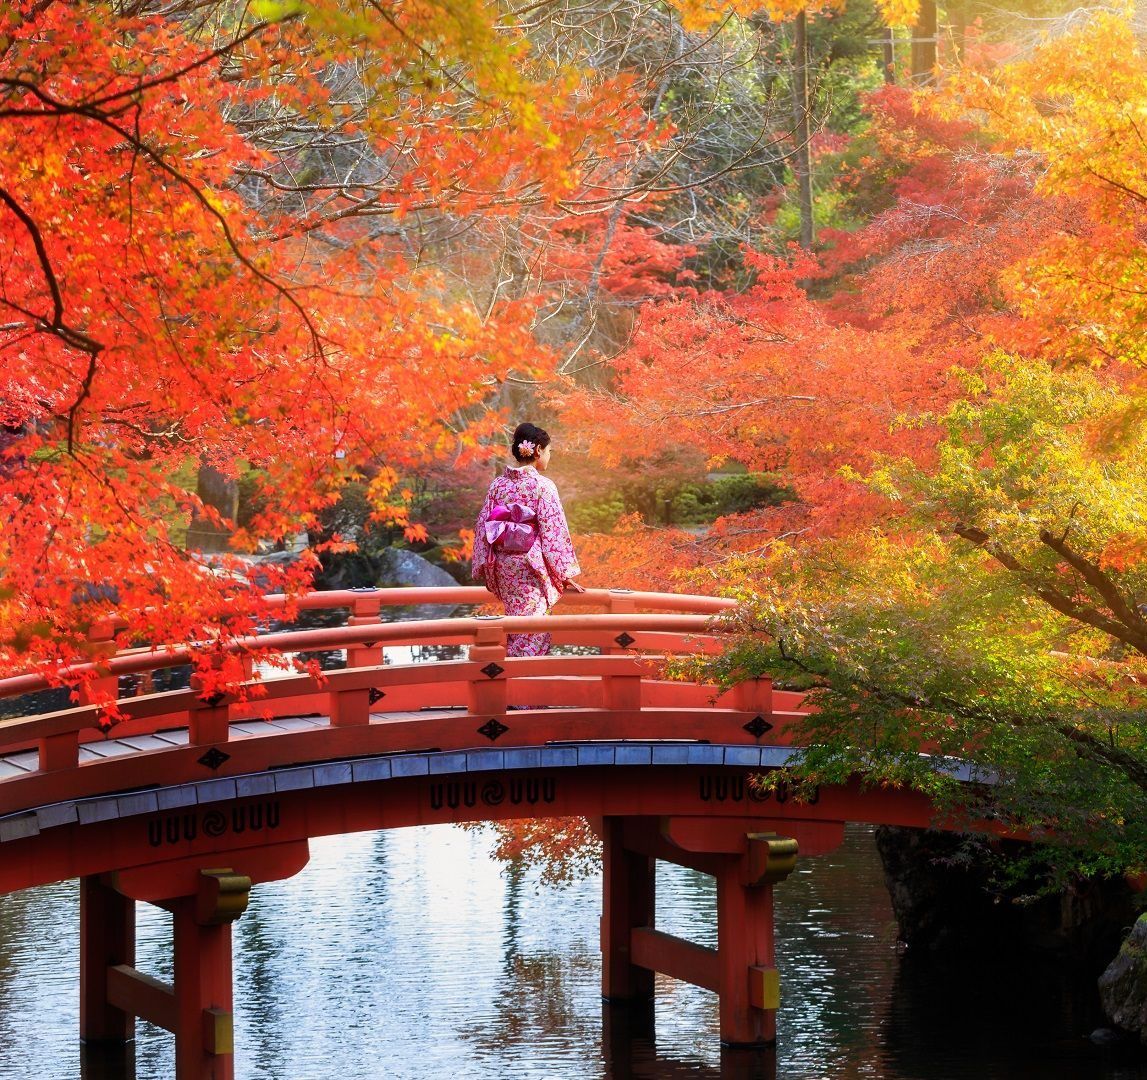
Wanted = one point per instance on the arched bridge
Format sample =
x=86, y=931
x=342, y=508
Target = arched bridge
x=194, y=796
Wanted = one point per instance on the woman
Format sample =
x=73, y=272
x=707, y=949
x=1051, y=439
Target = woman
x=522, y=547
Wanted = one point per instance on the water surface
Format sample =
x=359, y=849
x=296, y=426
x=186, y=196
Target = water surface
x=410, y=955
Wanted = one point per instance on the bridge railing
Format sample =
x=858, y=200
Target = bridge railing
x=614, y=601
x=365, y=608
x=623, y=677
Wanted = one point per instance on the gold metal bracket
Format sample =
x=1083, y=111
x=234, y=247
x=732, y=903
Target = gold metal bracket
x=222, y=897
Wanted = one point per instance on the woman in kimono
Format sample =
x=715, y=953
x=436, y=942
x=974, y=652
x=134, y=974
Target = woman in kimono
x=522, y=546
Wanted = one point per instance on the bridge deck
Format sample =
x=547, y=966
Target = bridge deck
x=428, y=762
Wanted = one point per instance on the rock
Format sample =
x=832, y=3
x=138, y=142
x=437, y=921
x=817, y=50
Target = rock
x=930, y=898
x=944, y=903
x=1123, y=986
x=402, y=568
x=399, y=566
x=1106, y=1037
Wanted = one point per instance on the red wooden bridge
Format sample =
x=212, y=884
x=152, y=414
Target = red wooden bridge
x=190, y=801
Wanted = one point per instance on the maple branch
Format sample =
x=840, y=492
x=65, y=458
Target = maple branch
x=172, y=434
x=1099, y=581
x=140, y=146
x=744, y=161
x=77, y=339
x=1052, y=596
x=1138, y=196
x=426, y=55
x=1094, y=278
x=41, y=253
x=225, y=227
x=130, y=93
x=1133, y=768
x=718, y=410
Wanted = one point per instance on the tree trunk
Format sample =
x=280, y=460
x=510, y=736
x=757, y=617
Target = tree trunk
x=802, y=159
x=924, y=44
x=221, y=493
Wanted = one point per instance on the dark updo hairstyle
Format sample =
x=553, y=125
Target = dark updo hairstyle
x=528, y=433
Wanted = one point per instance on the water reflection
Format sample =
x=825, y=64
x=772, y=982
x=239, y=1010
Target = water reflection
x=408, y=955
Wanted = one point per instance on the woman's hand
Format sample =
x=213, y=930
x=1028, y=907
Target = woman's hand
x=573, y=586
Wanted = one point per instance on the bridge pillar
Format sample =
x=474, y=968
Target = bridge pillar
x=105, y=688
x=107, y=939
x=627, y=903
x=204, y=1027
x=742, y=969
x=487, y=689
x=197, y=1006
x=749, y=985
x=364, y=612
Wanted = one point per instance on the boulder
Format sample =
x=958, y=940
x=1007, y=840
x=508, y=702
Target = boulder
x=945, y=902
x=1123, y=986
x=399, y=567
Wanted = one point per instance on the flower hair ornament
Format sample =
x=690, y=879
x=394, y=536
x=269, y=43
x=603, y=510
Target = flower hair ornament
x=527, y=449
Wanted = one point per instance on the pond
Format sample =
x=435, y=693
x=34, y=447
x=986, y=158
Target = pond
x=410, y=954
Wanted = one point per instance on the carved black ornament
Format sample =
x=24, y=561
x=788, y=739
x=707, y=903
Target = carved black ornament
x=492, y=670
x=376, y=695
x=624, y=640
x=214, y=758
x=758, y=726
x=456, y=793
x=493, y=729
x=186, y=825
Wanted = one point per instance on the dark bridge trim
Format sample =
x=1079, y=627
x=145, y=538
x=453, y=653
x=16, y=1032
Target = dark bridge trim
x=384, y=767
x=401, y=766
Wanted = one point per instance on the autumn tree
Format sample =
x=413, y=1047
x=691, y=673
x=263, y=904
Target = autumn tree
x=997, y=615
x=208, y=215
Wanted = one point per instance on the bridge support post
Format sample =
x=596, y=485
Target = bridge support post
x=749, y=985
x=364, y=612
x=349, y=707
x=101, y=638
x=627, y=902
x=487, y=690
x=741, y=970
x=204, y=1031
x=197, y=1006
x=107, y=939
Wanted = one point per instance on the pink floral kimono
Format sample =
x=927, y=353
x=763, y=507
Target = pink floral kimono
x=523, y=551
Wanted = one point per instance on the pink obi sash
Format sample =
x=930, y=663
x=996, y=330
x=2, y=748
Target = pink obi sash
x=511, y=528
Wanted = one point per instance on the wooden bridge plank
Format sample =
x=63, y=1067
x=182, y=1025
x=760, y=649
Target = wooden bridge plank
x=175, y=736
x=146, y=742
x=109, y=748
x=290, y=723
x=28, y=760
x=255, y=728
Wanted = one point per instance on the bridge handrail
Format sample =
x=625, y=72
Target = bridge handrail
x=25, y=729
x=459, y=595
x=367, y=634
x=478, y=684
x=365, y=607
